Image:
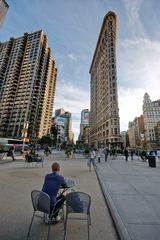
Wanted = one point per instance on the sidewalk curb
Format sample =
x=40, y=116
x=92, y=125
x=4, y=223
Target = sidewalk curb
x=120, y=226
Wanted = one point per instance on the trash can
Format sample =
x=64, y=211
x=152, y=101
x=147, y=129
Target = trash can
x=152, y=161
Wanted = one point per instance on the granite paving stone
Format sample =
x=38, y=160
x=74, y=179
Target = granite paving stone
x=132, y=191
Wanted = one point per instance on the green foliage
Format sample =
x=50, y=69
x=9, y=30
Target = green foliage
x=63, y=145
x=47, y=151
x=68, y=152
x=79, y=144
x=1, y=148
x=45, y=140
x=54, y=141
x=86, y=151
x=112, y=151
x=143, y=153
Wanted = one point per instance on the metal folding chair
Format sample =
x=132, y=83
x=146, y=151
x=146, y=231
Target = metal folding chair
x=41, y=202
x=78, y=203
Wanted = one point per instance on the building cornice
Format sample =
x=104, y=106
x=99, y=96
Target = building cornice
x=6, y=3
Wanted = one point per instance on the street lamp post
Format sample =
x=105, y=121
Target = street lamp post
x=24, y=133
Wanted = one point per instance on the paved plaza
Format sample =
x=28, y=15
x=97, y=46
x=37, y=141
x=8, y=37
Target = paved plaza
x=132, y=190
x=17, y=182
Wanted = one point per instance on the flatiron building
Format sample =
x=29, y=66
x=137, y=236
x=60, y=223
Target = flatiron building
x=104, y=111
x=3, y=11
x=27, y=85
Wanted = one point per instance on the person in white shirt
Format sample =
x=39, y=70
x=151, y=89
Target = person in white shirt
x=99, y=155
x=92, y=156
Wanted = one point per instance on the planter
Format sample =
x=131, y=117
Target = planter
x=68, y=155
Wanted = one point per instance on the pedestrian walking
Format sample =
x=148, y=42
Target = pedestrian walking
x=106, y=154
x=126, y=154
x=92, y=156
x=11, y=153
x=98, y=153
x=73, y=153
x=132, y=154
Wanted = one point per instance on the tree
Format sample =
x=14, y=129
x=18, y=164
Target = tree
x=45, y=140
x=68, y=152
x=113, y=150
x=79, y=144
x=1, y=148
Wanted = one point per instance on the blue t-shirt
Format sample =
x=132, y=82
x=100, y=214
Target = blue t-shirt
x=52, y=184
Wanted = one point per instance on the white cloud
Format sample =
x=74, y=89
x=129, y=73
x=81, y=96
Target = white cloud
x=133, y=20
x=130, y=105
x=139, y=65
x=72, y=57
x=72, y=98
x=76, y=129
x=138, y=72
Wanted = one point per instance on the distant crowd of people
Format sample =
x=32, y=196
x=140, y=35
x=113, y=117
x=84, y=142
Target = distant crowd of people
x=30, y=153
x=141, y=153
x=94, y=154
x=98, y=154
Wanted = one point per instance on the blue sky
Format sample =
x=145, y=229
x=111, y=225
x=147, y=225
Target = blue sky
x=73, y=26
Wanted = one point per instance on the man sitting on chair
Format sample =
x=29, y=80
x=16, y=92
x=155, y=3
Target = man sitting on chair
x=52, y=183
